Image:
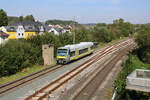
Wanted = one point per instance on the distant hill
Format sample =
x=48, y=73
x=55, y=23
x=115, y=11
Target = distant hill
x=62, y=22
x=89, y=24
x=12, y=19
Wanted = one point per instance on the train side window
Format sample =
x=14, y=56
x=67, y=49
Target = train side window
x=72, y=53
x=83, y=51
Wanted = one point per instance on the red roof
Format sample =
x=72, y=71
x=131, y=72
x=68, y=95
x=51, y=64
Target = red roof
x=3, y=34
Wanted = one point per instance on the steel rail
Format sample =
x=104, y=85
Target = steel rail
x=104, y=70
x=21, y=81
x=96, y=58
x=62, y=77
x=12, y=85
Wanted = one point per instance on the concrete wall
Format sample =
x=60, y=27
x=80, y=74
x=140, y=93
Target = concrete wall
x=48, y=54
x=132, y=79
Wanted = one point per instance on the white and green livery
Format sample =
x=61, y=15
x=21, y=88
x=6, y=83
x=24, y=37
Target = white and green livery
x=72, y=52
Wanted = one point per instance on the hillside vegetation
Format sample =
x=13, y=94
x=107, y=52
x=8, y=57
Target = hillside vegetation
x=138, y=58
x=61, y=22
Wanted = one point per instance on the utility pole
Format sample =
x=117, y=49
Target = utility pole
x=74, y=35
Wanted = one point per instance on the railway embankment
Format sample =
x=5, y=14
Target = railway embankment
x=132, y=63
x=24, y=90
x=36, y=68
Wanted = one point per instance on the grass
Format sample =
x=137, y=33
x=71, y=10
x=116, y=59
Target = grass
x=137, y=64
x=36, y=68
x=23, y=73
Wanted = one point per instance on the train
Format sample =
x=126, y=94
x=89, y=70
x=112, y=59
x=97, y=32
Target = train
x=69, y=53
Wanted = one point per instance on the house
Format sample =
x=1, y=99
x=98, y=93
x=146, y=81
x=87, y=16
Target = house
x=67, y=29
x=3, y=37
x=3, y=29
x=54, y=29
x=57, y=29
x=25, y=30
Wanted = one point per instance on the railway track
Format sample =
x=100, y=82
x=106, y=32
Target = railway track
x=98, y=77
x=12, y=85
x=20, y=82
x=29, y=78
x=42, y=93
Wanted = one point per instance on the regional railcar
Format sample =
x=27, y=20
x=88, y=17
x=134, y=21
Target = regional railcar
x=72, y=52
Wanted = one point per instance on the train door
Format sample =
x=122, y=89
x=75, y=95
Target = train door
x=89, y=49
x=77, y=53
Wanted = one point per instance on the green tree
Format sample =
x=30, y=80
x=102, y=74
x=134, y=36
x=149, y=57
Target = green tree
x=3, y=18
x=121, y=28
x=143, y=39
x=81, y=34
x=101, y=25
x=16, y=55
x=29, y=18
x=21, y=18
x=12, y=20
x=102, y=34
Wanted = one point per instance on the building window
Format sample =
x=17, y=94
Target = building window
x=32, y=34
x=12, y=28
x=22, y=34
x=19, y=34
x=28, y=34
x=30, y=28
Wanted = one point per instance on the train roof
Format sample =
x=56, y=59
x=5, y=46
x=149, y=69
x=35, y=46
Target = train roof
x=81, y=45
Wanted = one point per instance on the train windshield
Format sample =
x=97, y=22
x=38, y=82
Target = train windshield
x=62, y=52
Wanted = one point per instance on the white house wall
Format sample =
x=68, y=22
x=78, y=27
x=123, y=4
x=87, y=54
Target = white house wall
x=20, y=32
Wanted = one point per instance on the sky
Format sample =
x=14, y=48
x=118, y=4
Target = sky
x=82, y=11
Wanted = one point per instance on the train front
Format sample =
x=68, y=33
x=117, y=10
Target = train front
x=62, y=56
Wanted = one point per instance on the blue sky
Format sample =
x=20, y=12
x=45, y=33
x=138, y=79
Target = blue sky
x=85, y=11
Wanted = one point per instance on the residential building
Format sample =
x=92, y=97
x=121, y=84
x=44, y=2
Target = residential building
x=57, y=29
x=25, y=30
x=67, y=29
x=53, y=29
x=3, y=29
x=3, y=37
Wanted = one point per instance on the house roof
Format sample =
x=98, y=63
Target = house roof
x=58, y=29
x=28, y=26
x=3, y=34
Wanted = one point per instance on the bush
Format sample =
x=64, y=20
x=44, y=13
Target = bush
x=16, y=55
x=102, y=35
x=143, y=39
x=47, y=38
